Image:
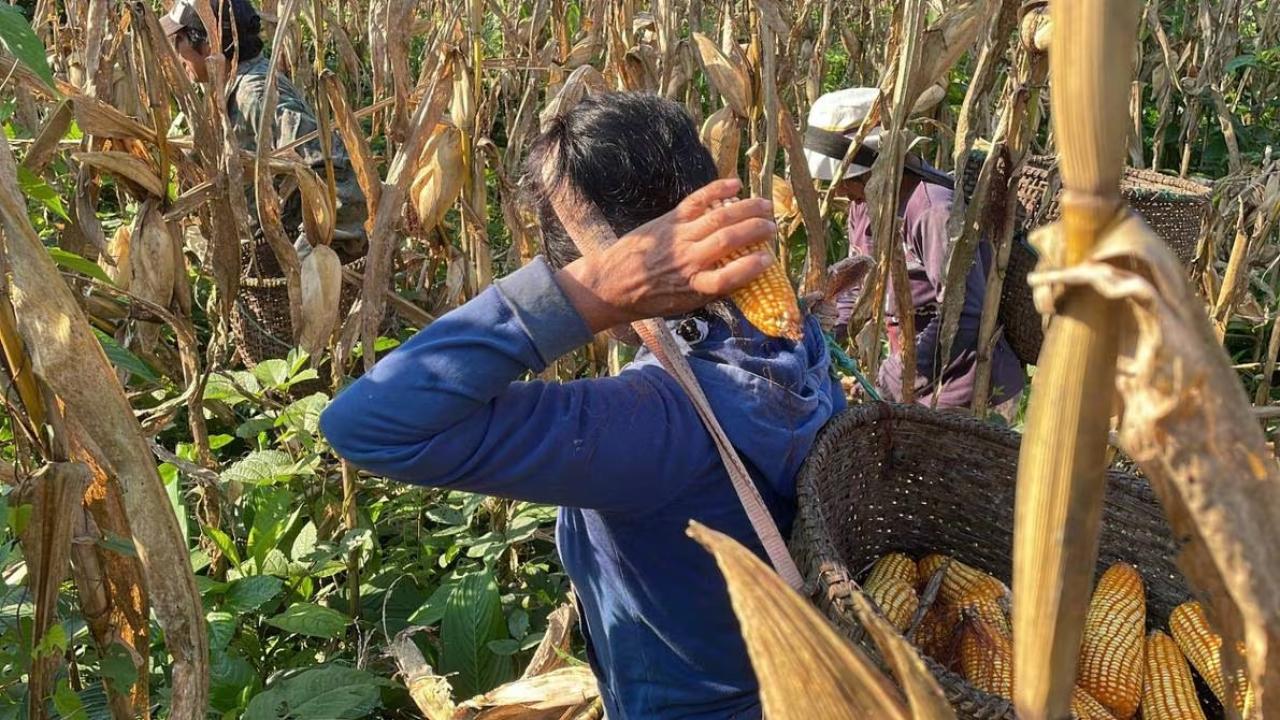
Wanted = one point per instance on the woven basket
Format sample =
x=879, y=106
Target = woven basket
x=884, y=478
x=1176, y=210
x=261, y=323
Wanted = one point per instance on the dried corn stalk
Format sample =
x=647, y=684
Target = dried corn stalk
x=1061, y=469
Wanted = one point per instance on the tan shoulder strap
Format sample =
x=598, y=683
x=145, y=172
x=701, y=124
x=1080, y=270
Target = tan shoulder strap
x=590, y=232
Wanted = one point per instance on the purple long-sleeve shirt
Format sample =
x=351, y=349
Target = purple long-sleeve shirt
x=925, y=212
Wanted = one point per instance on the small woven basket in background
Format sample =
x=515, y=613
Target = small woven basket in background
x=1176, y=209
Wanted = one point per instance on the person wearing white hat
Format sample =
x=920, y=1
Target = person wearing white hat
x=924, y=208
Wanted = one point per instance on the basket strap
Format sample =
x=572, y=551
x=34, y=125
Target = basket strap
x=590, y=232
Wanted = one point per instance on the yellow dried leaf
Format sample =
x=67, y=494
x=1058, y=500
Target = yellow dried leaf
x=806, y=670
x=730, y=79
x=125, y=166
x=438, y=182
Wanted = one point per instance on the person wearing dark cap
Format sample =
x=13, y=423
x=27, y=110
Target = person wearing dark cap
x=292, y=118
x=924, y=209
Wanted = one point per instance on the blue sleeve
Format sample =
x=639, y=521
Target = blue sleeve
x=445, y=410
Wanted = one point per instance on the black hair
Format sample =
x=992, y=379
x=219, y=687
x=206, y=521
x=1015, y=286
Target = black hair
x=634, y=155
x=241, y=30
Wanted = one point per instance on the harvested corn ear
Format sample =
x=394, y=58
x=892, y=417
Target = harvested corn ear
x=937, y=635
x=897, y=601
x=892, y=566
x=1203, y=647
x=1085, y=707
x=1168, y=692
x=1110, y=666
x=962, y=582
x=989, y=611
x=986, y=656
x=769, y=302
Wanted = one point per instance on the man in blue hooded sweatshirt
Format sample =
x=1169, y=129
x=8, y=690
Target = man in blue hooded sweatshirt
x=626, y=458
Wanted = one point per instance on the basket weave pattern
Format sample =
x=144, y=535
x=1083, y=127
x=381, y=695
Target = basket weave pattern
x=1176, y=210
x=885, y=478
x=261, y=323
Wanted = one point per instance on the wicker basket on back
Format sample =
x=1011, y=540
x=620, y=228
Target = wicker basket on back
x=1176, y=210
x=884, y=478
x=261, y=322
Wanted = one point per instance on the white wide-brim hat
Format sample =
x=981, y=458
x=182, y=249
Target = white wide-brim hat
x=841, y=112
x=834, y=118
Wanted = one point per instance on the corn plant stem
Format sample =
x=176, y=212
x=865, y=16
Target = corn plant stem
x=1061, y=470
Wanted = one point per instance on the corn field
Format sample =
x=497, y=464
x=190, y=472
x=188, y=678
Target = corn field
x=176, y=537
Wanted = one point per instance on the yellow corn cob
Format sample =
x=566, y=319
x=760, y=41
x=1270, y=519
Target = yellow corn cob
x=962, y=582
x=769, y=302
x=896, y=599
x=986, y=657
x=1085, y=707
x=1203, y=647
x=1168, y=692
x=989, y=611
x=1110, y=667
x=893, y=565
x=937, y=635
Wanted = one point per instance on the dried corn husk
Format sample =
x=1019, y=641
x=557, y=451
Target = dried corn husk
x=722, y=134
x=115, y=262
x=152, y=269
x=806, y=670
x=784, y=201
x=318, y=212
x=151, y=266
x=583, y=80
x=730, y=78
x=321, y=296
x=125, y=166
x=439, y=179
x=559, y=688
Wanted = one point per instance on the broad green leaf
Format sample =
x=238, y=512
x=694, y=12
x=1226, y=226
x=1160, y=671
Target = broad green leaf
x=222, y=627
x=311, y=619
x=329, y=692
x=446, y=515
x=223, y=542
x=20, y=41
x=472, y=619
x=504, y=648
x=518, y=623
x=272, y=373
x=229, y=675
x=72, y=261
x=54, y=642
x=124, y=359
x=261, y=467
x=275, y=563
x=1240, y=61
x=35, y=188
x=117, y=666
x=66, y=701
x=304, y=544
x=271, y=509
x=219, y=387
x=250, y=593
x=304, y=415
x=433, y=609
x=169, y=474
